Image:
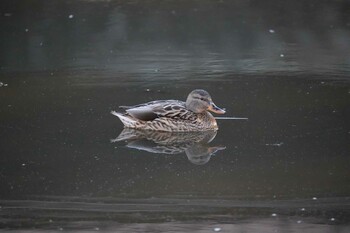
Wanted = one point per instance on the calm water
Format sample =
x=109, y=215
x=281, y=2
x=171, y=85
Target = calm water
x=67, y=164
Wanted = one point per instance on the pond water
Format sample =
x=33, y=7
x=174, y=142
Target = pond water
x=67, y=164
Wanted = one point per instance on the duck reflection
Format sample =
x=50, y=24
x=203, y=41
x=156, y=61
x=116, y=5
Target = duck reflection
x=194, y=144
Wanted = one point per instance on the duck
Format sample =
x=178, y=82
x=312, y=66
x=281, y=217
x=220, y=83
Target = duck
x=173, y=115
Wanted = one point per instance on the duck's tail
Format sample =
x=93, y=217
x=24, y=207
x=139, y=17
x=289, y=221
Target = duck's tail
x=125, y=119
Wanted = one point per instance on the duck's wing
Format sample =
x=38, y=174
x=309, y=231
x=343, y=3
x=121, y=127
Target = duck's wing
x=155, y=109
x=155, y=102
x=144, y=113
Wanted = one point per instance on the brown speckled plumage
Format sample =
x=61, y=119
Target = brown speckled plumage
x=173, y=115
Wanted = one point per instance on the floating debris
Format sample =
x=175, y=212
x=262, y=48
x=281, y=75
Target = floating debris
x=299, y=221
x=332, y=219
x=278, y=144
x=231, y=118
x=314, y=198
x=3, y=84
x=217, y=229
x=271, y=31
x=71, y=16
x=26, y=30
x=281, y=55
x=274, y=215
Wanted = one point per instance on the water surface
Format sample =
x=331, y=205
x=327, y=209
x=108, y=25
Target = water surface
x=66, y=64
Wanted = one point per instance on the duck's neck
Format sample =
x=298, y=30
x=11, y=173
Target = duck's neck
x=192, y=106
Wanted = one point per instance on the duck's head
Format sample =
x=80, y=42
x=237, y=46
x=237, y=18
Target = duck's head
x=199, y=101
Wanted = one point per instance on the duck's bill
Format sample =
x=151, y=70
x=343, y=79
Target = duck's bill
x=216, y=109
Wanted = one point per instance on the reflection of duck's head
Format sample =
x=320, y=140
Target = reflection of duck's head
x=200, y=154
x=199, y=101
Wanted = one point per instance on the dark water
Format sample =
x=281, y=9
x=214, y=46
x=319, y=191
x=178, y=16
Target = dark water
x=64, y=65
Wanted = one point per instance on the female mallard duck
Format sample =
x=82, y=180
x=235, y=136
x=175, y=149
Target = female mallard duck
x=173, y=115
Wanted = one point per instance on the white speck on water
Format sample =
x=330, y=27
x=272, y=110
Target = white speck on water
x=96, y=229
x=71, y=16
x=274, y=215
x=281, y=55
x=156, y=70
x=51, y=73
x=3, y=84
x=23, y=164
x=217, y=229
x=41, y=43
x=302, y=209
x=8, y=14
x=26, y=30
x=148, y=90
x=314, y=198
x=272, y=31
x=332, y=219
x=299, y=221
